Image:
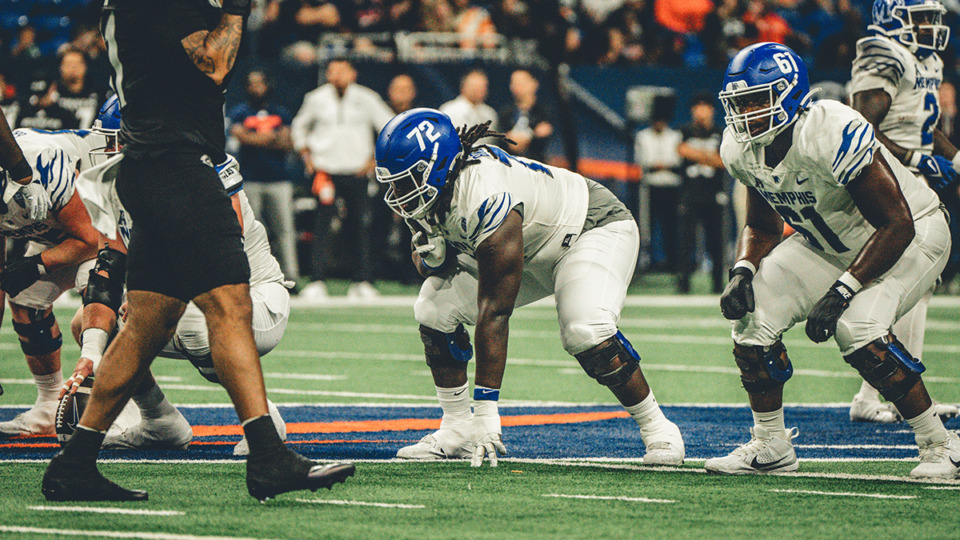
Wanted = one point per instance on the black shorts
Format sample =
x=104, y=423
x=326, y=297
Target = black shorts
x=186, y=238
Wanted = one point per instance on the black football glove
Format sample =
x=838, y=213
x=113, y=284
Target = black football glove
x=737, y=299
x=822, y=320
x=20, y=274
x=236, y=7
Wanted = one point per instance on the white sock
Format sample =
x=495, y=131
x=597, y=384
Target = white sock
x=928, y=427
x=455, y=403
x=153, y=404
x=647, y=413
x=48, y=387
x=868, y=393
x=771, y=421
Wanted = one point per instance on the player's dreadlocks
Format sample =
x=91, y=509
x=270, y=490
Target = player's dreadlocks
x=468, y=138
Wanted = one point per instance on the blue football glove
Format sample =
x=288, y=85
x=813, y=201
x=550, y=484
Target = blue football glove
x=938, y=171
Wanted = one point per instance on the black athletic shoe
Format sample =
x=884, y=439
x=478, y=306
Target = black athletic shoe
x=285, y=470
x=75, y=481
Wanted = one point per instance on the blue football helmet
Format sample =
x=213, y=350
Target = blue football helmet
x=415, y=152
x=107, y=124
x=764, y=90
x=916, y=24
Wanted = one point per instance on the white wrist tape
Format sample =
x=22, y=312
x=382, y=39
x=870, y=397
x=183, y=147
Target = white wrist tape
x=94, y=342
x=956, y=161
x=743, y=263
x=851, y=282
x=915, y=159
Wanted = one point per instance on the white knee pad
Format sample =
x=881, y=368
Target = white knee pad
x=579, y=336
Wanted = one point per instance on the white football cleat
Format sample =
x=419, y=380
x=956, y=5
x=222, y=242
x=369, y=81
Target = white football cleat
x=38, y=420
x=362, y=291
x=764, y=453
x=445, y=443
x=873, y=410
x=939, y=459
x=171, y=432
x=664, y=445
x=243, y=447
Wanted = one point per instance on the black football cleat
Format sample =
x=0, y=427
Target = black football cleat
x=72, y=481
x=285, y=470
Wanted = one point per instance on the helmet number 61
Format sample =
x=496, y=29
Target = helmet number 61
x=785, y=62
x=424, y=129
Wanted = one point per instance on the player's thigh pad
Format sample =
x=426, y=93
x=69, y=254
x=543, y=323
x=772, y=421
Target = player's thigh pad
x=271, y=311
x=449, y=299
x=788, y=283
x=874, y=309
x=192, y=331
x=911, y=327
x=51, y=285
x=590, y=283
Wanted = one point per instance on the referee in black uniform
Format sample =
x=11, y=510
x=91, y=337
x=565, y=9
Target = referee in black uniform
x=171, y=61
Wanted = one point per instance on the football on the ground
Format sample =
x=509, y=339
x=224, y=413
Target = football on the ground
x=70, y=409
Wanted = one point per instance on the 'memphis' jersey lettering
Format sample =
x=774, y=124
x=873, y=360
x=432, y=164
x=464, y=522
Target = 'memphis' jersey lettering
x=788, y=197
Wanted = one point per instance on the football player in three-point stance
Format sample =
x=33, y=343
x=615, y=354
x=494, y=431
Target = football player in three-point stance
x=523, y=231
x=895, y=86
x=160, y=424
x=61, y=251
x=873, y=238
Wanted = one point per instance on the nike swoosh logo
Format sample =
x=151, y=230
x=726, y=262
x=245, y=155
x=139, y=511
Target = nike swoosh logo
x=800, y=181
x=460, y=392
x=765, y=466
x=955, y=463
x=767, y=70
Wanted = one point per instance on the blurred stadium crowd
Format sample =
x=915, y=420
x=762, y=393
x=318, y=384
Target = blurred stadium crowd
x=308, y=171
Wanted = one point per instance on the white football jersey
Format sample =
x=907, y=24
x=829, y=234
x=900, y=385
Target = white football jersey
x=55, y=156
x=832, y=144
x=552, y=201
x=913, y=85
x=264, y=268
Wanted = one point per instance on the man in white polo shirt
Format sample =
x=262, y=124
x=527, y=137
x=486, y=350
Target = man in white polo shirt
x=334, y=133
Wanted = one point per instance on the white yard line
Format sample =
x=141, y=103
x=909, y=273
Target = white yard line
x=103, y=510
x=950, y=488
x=606, y=498
x=361, y=503
x=843, y=494
x=113, y=534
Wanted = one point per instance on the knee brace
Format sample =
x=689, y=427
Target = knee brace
x=105, y=284
x=887, y=366
x=36, y=336
x=612, y=362
x=451, y=350
x=762, y=369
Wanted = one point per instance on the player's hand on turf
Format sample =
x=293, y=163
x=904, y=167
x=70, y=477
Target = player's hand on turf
x=34, y=198
x=488, y=442
x=822, y=320
x=737, y=299
x=19, y=274
x=83, y=370
x=938, y=171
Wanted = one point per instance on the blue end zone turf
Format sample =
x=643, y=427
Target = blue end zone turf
x=825, y=433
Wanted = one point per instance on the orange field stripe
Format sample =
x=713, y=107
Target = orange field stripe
x=313, y=441
x=413, y=424
x=30, y=445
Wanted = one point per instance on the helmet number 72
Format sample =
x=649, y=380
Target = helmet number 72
x=424, y=129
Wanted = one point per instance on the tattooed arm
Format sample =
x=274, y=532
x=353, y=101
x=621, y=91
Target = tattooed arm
x=215, y=51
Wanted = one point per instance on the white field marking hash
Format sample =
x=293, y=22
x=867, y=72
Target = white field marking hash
x=361, y=503
x=115, y=534
x=103, y=510
x=305, y=376
x=944, y=487
x=606, y=498
x=843, y=494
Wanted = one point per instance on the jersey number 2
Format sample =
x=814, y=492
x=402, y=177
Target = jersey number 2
x=929, y=104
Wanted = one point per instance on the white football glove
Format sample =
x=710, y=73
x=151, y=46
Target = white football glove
x=488, y=441
x=33, y=197
x=431, y=249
